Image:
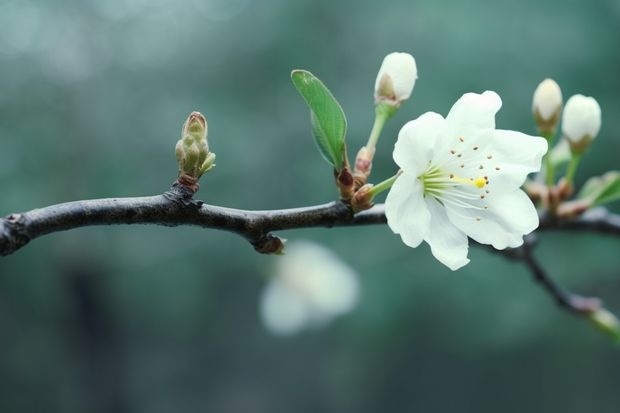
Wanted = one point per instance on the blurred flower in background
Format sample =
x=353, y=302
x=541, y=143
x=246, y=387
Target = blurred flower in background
x=309, y=287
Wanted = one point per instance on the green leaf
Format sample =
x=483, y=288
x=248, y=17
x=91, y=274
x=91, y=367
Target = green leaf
x=329, y=125
x=601, y=189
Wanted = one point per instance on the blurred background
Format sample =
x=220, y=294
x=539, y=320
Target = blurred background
x=147, y=319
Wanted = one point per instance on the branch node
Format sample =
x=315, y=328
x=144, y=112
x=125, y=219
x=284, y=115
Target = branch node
x=181, y=194
x=269, y=244
x=13, y=233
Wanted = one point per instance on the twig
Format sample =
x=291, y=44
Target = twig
x=572, y=302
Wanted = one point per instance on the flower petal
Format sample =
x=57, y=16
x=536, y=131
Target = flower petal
x=414, y=148
x=517, y=155
x=405, y=210
x=282, y=310
x=473, y=116
x=509, y=216
x=448, y=243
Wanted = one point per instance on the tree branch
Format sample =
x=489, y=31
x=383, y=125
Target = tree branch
x=173, y=208
x=567, y=300
x=177, y=207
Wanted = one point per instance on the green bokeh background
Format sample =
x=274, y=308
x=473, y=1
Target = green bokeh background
x=148, y=319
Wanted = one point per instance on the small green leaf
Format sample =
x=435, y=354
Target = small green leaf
x=601, y=189
x=329, y=124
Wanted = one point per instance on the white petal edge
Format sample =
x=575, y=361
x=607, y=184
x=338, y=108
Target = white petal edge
x=473, y=115
x=417, y=138
x=406, y=211
x=518, y=155
x=448, y=243
x=510, y=216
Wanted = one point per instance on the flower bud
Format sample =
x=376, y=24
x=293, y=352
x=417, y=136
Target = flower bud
x=605, y=321
x=547, y=105
x=396, y=78
x=362, y=199
x=581, y=122
x=192, y=151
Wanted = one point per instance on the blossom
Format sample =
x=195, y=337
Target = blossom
x=461, y=177
x=581, y=121
x=547, y=100
x=396, y=78
x=309, y=287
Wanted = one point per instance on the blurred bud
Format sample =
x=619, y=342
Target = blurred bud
x=395, y=79
x=605, y=321
x=192, y=151
x=546, y=106
x=309, y=287
x=581, y=122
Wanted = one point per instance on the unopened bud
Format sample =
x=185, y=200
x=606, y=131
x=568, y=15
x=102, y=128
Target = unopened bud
x=605, y=321
x=192, y=150
x=581, y=122
x=546, y=106
x=362, y=199
x=395, y=79
x=363, y=160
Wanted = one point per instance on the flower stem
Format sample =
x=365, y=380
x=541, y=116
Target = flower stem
x=382, y=186
x=382, y=113
x=549, y=169
x=572, y=167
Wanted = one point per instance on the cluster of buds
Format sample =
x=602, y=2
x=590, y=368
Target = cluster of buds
x=192, y=151
x=581, y=122
x=581, y=118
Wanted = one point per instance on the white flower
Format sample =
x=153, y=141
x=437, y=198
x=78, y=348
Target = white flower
x=547, y=100
x=461, y=177
x=396, y=78
x=581, y=120
x=310, y=286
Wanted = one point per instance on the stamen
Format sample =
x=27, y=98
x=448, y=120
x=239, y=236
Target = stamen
x=480, y=182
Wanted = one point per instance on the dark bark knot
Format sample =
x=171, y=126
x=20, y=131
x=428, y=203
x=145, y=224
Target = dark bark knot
x=13, y=234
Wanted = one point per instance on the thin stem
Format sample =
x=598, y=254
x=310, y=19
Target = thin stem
x=549, y=171
x=572, y=167
x=384, y=185
x=564, y=298
x=382, y=114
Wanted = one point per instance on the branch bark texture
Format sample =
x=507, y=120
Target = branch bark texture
x=177, y=207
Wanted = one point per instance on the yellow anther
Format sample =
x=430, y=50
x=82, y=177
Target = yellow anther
x=480, y=182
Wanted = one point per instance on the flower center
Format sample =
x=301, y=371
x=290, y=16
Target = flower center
x=456, y=191
x=436, y=181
